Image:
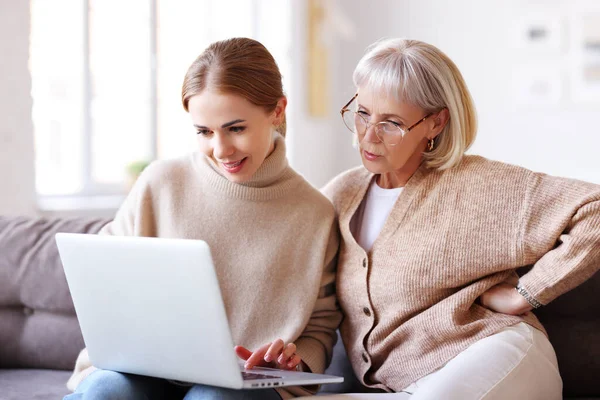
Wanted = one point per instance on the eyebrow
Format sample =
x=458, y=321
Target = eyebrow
x=383, y=115
x=225, y=125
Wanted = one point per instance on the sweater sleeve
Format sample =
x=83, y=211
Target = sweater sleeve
x=315, y=344
x=560, y=235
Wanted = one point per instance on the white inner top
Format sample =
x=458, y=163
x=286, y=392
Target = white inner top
x=373, y=212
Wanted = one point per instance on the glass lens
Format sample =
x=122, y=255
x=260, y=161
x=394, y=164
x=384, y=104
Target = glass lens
x=349, y=118
x=389, y=133
x=390, y=129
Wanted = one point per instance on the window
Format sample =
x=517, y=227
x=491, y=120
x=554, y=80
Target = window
x=107, y=75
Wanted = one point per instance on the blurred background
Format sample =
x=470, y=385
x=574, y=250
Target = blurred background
x=90, y=89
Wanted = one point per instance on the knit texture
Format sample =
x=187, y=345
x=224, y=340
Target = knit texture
x=410, y=303
x=273, y=241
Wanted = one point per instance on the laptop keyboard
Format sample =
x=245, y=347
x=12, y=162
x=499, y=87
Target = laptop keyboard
x=248, y=376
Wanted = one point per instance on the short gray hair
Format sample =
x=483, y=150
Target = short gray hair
x=422, y=75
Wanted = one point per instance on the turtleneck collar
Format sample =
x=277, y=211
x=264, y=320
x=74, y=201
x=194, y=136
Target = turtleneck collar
x=272, y=179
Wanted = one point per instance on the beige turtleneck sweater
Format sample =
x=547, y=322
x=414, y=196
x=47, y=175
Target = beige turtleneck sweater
x=273, y=240
x=410, y=303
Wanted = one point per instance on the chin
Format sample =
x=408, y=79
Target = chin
x=242, y=176
x=375, y=167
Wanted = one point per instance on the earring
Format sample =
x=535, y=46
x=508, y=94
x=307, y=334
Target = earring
x=430, y=145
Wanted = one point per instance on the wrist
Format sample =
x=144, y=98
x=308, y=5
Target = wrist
x=520, y=304
x=526, y=300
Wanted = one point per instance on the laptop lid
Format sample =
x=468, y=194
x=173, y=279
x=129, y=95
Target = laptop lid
x=150, y=306
x=153, y=307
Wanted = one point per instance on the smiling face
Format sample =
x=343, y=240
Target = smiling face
x=406, y=154
x=236, y=134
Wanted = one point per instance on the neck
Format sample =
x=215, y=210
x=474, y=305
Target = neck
x=274, y=137
x=399, y=177
x=273, y=168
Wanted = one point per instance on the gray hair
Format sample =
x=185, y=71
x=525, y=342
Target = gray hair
x=422, y=75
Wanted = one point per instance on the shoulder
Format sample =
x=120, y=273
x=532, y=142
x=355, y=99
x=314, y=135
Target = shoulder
x=478, y=165
x=345, y=184
x=163, y=180
x=313, y=198
x=485, y=179
x=503, y=174
x=162, y=172
x=478, y=171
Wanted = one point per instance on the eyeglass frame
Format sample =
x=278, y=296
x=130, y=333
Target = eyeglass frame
x=368, y=124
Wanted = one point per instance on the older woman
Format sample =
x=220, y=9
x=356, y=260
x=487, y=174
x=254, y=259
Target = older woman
x=431, y=240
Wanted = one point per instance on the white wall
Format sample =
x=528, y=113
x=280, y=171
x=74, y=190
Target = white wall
x=561, y=139
x=17, y=178
x=309, y=139
x=321, y=148
x=478, y=35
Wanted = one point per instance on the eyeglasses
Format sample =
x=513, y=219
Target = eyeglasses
x=388, y=132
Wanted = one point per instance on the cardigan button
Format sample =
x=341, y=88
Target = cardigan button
x=367, y=311
x=364, y=263
x=365, y=358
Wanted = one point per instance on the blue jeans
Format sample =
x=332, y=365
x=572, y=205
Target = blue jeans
x=110, y=385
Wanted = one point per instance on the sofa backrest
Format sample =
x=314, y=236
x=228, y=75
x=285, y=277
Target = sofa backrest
x=38, y=326
x=573, y=325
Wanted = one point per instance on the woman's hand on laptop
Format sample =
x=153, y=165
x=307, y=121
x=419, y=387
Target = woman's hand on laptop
x=273, y=355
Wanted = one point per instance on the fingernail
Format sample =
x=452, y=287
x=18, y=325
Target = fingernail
x=268, y=358
x=280, y=360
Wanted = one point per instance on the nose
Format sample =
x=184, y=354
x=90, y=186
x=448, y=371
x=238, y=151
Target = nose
x=222, y=146
x=371, y=134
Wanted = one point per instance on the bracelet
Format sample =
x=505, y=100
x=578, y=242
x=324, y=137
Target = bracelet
x=530, y=299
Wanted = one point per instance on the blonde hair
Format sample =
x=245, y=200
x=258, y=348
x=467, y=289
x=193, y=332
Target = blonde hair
x=238, y=66
x=422, y=75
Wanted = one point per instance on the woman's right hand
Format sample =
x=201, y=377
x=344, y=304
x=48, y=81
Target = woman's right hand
x=273, y=355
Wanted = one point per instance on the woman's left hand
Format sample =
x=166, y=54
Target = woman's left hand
x=504, y=298
x=274, y=355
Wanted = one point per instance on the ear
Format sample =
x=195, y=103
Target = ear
x=440, y=121
x=279, y=112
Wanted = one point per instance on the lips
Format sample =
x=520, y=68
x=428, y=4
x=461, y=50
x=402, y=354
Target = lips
x=370, y=156
x=234, y=166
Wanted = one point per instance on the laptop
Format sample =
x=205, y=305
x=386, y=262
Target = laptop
x=153, y=306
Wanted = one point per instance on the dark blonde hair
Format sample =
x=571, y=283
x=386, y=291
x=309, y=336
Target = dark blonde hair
x=239, y=66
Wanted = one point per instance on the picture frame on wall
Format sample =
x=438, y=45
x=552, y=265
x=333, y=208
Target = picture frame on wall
x=585, y=60
x=539, y=32
x=538, y=85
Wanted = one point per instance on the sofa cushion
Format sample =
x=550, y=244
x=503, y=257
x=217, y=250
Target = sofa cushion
x=38, y=326
x=18, y=384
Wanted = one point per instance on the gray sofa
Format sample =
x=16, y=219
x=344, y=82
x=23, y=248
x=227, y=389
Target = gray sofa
x=40, y=336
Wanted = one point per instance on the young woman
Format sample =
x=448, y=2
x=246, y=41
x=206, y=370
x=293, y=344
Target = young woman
x=431, y=240
x=272, y=235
